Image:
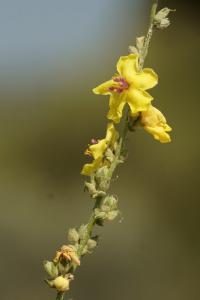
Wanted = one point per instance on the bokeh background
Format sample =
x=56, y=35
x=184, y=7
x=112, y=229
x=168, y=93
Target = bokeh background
x=52, y=53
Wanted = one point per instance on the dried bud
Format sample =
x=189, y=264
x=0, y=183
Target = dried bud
x=140, y=42
x=61, y=284
x=91, y=244
x=50, y=268
x=73, y=235
x=68, y=253
x=133, y=49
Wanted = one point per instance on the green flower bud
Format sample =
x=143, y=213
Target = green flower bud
x=100, y=214
x=50, y=268
x=133, y=50
x=112, y=215
x=109, y=155
x=91, y=244
x=91, y=188
x=140, y=42
x=73, y=235
x=102, y=172
x=164, y=23
x=83, y=231
x=111, y=202
x=84, y=251
x=162, y=14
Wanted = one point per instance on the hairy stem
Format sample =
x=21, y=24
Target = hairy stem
x=149, y=34
x=60, y=296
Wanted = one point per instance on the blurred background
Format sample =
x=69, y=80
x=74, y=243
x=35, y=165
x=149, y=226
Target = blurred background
x=52, y=53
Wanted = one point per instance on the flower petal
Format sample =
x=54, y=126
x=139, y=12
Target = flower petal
x=97, y=150
x=117, y=102
x=146, y=79
x=159, y=134
x=127, y=66
x=89, y=169
x=111, y=134
x=138, y=100
x=103, y=89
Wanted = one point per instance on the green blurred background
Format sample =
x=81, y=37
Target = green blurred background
x=52, y=54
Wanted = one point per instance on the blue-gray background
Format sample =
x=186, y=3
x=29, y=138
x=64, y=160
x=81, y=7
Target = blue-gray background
x=52, y=53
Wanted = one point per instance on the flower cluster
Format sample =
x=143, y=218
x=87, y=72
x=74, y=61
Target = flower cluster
x=127, y=87
x=67, y=258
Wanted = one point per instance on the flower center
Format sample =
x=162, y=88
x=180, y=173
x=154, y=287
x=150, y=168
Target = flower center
x=92, y=142
x=119, y=86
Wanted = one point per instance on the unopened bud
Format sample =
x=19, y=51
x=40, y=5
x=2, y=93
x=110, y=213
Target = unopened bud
x=91, y=244
x=73, y=235
x=140, y=42
x=109, y=155
x=50, y=268
x=160, y=20
x=112, y=215
x=83, y=231
x=61, y=284
x=100, y=214
x=133, y=49
x=162, y=14
x=90, y=187
x=111, y=202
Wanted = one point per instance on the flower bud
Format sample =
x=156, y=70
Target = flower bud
x=73, y=235
x=140, y=42
x=91, y=244
x=109, y=155
x=61, y=284
x=163, y=24
x=133, y=49
x=162, y=14
x=112, y=215
x=83, y=231
x=111, y=202
x=100, y=214
x=50, y=268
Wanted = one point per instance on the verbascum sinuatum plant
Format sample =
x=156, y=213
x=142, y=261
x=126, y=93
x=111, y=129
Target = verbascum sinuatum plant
x=130, y=105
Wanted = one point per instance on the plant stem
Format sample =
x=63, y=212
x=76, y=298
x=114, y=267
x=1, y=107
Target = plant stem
x=92, y=221
x=60, y=296
x=149, y=34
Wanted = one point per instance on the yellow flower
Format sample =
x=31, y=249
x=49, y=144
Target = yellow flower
x=98, y=149
x=129, y=86
x=155, y=123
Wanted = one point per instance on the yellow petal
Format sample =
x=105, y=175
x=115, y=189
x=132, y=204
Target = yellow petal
x=127, y=67
x=138, y=100
x=117, y=102
x=145, y=79
x=111, y=134
x=89, y=169
x=98, y=150
x=103, y=88
x=167, y=128
x=159, y=134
